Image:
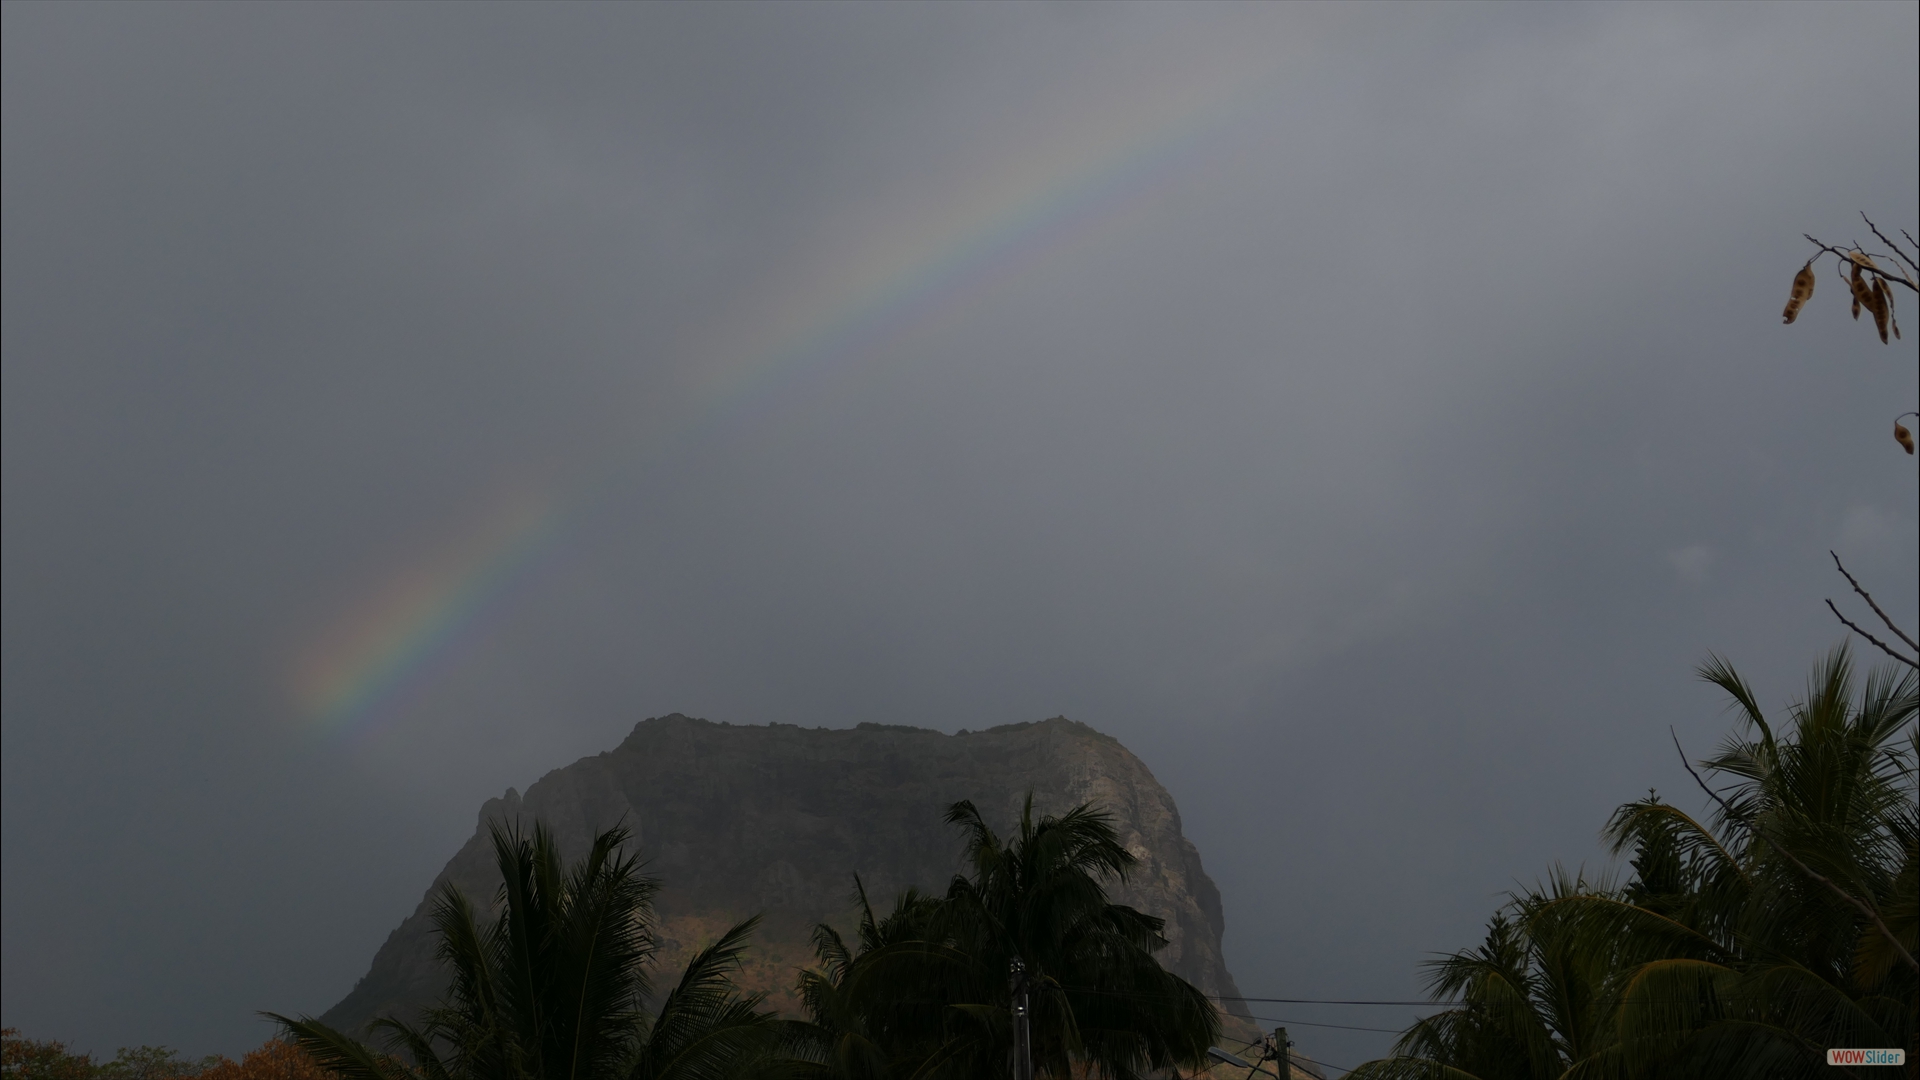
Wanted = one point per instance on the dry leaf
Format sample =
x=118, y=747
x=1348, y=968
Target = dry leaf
x=1902, y=436
x=1802, y=292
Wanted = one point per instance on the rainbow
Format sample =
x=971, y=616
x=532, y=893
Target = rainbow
x=386, y=645
x=887, y=280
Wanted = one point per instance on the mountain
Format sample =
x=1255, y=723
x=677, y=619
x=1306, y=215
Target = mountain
x=777, y=820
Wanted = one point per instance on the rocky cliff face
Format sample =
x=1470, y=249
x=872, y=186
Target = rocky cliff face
x=777, y=820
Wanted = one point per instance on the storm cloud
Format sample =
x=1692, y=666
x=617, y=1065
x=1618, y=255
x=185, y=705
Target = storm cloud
x=1369, y=414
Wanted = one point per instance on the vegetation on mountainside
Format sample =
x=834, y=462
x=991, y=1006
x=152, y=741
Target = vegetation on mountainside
x=926, y=992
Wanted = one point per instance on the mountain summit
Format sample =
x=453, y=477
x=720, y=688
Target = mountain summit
x=778, y=819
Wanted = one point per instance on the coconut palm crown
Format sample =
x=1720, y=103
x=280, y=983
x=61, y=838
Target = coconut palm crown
x=1746, y=944
x=928, y=994
x=555, y=986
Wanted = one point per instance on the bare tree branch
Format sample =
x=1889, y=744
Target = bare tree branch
x=1859, y=905
x=1869, y=637
x=1846, y=256
x=1904, y=257
x=1871, y=604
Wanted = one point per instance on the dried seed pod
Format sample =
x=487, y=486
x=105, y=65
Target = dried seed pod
x=1880, y=309
x=1862, y=293
x=1902, y=436
x=1802, y=292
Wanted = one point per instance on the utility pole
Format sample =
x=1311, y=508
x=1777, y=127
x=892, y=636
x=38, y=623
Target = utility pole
x=1281, y=1055
x=1022, y=1034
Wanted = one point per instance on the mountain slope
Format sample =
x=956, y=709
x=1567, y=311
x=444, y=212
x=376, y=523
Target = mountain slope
x=778, y=819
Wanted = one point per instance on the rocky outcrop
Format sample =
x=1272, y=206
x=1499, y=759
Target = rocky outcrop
x=776, y=820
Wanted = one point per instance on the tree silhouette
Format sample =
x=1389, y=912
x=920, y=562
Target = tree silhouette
x=555, y=986
x=927, y=995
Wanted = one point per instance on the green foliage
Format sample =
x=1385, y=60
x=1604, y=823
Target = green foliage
x=1745, y=945
x=554, y=987
x=927, y=994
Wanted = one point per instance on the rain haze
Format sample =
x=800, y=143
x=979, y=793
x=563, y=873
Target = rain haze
x=1368, y=414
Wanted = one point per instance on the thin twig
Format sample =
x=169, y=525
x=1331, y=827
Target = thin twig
x=1890, y=244
x=1731, y=814
x=1860, y=905
x=1883, y=645
x=1846, y=256
x=1871, y=604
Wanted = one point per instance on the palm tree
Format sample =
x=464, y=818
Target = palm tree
x=928, y=994
x=849, y=1038
x=1531, y=1003
x=554, y=987
x=1787, y=924
x=1745, y=945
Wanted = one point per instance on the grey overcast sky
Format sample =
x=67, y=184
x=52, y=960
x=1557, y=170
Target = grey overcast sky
x=1369, y=413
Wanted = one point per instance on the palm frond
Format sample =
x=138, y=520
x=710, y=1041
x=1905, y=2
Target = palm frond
x=1719, y=672
x=344, y=1057
x=418, y=1044
x=705, y=1027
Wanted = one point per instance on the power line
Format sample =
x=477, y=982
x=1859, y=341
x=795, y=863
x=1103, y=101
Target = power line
x=1248, y=1047
x=1444, y=1005
x=1310, y=1023
x=1230, y=998
x=1334, y=1001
